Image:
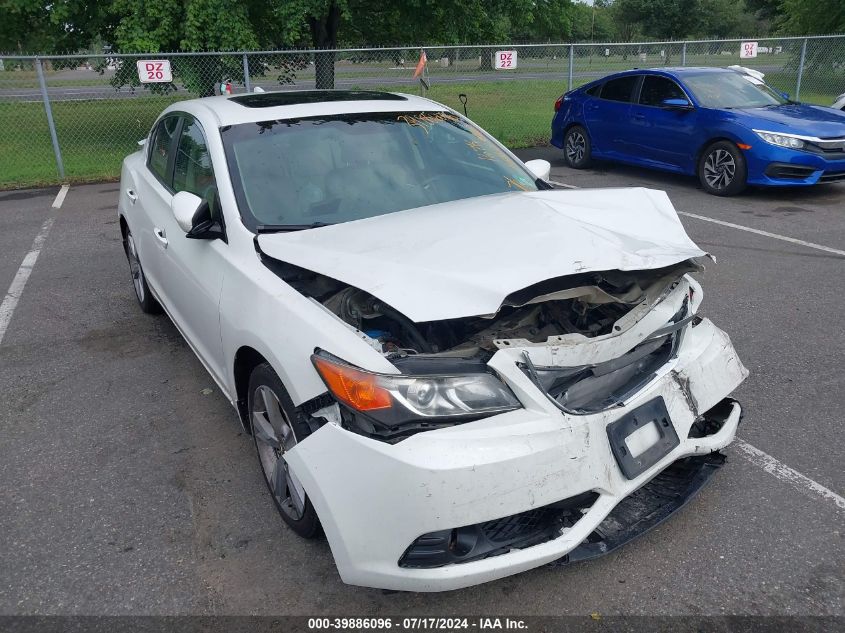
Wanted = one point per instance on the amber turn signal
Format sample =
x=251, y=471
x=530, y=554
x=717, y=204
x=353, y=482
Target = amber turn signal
x=360, y=390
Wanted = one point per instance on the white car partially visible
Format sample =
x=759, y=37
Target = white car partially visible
x=452, y=369
x=839, y=104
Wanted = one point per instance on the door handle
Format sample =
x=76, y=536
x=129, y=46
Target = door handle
x=639, y=117
x=160, y=236
x=130, y=193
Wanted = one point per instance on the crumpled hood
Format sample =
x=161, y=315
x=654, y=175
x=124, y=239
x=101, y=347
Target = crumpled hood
x=795, y=119
x=462, y=258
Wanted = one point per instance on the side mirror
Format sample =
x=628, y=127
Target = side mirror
x=184, y=206
x=540, y=168
x=676, y=104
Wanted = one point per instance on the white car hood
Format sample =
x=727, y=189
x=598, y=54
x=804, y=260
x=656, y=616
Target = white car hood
x=463, y=258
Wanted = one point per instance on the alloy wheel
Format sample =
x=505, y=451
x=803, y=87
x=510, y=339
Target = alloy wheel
x=135, y=268
x=719, y=169
x=274, y=437
x=576, y=147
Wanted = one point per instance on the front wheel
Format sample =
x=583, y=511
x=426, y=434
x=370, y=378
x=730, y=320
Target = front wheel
x=276, y=428
x=139, y=281
x=576, y=147
x=722, y=170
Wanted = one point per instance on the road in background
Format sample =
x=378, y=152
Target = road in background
x=129, y=488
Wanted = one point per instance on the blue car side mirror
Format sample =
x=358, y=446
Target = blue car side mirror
x=679, y=104
x=785, y=95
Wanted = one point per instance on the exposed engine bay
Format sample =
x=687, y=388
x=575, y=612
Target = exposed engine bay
x=583, y=305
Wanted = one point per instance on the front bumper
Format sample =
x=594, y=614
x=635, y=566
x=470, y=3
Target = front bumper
x=375, y=499
x=773, y=166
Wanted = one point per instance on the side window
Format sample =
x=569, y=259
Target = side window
x=621, y=89
x=656, y=89
x=192, y=171
x=162, y=141
x=595, y=90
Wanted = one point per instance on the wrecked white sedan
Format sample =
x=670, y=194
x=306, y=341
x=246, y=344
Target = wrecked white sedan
x=453, y=370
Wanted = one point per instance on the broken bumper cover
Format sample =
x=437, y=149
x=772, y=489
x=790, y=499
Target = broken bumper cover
x=375, y=500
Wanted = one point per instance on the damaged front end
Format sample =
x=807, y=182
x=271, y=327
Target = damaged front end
x=578, y=412
x=570, y=332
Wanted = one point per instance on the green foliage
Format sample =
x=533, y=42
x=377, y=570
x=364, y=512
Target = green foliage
x=819, y=17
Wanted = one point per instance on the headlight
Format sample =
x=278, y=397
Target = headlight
x=393, y=406
x=780, y=140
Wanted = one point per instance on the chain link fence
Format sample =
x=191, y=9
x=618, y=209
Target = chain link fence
x=74, y=118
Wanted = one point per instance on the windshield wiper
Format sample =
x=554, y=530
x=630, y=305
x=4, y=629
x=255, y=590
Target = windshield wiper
x=285, y=228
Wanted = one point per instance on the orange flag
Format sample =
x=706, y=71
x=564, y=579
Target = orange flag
x=420, y=65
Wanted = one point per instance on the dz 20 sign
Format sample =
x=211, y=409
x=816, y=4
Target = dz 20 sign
x=505, y=60
x=153, y=71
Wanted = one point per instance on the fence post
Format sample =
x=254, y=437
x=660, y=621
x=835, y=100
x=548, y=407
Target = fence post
x=801, y=69
x=247, y=84
x=56, y=150
x=684, y=54
x=571, y=64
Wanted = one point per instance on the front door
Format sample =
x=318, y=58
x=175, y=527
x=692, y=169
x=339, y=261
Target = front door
x=661, y=135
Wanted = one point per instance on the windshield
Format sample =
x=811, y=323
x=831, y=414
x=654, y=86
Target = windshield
x=731, y=90
x=327, y=170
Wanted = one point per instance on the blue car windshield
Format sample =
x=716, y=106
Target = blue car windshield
x=726, y=90
x=339, y=168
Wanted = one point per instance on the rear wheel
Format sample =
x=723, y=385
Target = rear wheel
x=722, y=170
x=576, y=147
x=276, y=428
x=139, y=281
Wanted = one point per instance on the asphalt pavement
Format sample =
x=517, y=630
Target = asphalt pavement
x=127, y=487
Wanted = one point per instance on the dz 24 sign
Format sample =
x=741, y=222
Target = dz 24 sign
x=748, y=50
x=505, y=60
x=153, y=71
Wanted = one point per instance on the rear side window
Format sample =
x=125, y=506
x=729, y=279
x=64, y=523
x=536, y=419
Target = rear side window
x=594, y=91
x=621, y=89
x=162, y=142
x=656, y=89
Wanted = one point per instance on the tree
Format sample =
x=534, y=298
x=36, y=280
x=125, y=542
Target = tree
x=32, y=26
x=663, y=19
x=820, y=17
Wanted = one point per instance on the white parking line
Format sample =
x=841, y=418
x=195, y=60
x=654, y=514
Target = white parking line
x=60, y=197
x=784, y=238
x=13, y=294
x=10, y=301
x=562, y=184
x=785, y=473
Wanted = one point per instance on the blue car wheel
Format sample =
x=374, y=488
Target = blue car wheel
x=576, y=147
x=722, y=170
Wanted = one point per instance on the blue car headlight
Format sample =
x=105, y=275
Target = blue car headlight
x=781, y=140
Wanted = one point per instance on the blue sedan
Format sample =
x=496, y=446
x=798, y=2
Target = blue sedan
x=725, y=126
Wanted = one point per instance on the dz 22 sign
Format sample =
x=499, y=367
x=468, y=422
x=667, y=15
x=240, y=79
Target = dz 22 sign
x=505, y=60
x=153, y=71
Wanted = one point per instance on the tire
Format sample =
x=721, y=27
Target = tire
x=277, y=426
x=722, y=170
x=139, y=281
x=577, y=147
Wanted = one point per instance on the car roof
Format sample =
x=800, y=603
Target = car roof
x=669, y=71
x=253, y=107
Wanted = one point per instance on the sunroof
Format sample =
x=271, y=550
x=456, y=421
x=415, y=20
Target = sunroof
x=273, y=99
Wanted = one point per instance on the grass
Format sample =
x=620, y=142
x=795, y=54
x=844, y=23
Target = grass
x=96, y=135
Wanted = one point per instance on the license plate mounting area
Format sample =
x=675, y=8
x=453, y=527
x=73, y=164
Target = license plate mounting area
x=642, y=437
